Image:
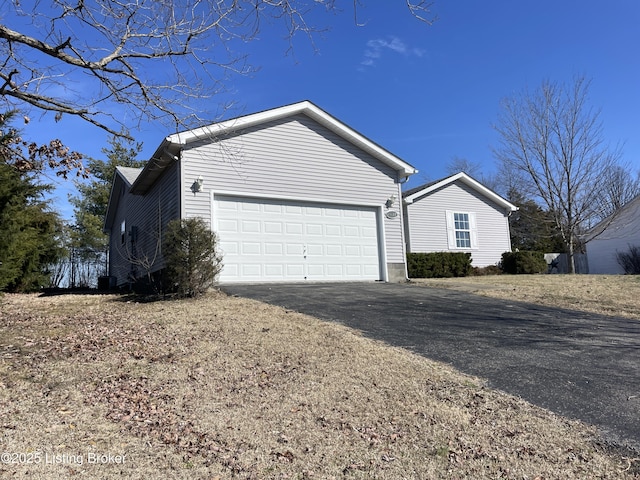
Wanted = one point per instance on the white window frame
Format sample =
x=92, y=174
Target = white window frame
x=451, y=230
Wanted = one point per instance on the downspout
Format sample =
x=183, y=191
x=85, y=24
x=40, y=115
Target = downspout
x=402, y=181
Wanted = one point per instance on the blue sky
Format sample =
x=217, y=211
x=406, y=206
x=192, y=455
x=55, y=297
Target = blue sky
x=429, y=93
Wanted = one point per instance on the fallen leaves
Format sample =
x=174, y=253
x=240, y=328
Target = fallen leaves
x=244, y=388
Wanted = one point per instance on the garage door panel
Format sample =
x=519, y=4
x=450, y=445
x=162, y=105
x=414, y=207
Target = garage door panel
x=272, y=240
x=333, y=230
x=250, y=226
x=249, y=248
x=250, y=207
x=293, y=210
x=294, y=228
x=295, y=271
x=354, y=270
x=335, y=270
x=295, y=249
x=273, y=249
x=350, y=231
x=368, y=232
x=314, y=229
x=369, y=270
x=227, y=225
x=230, y=248
x=274, y=228
x=352, y=251
x=274, y=270
x=251, y=270
x=369, y=251
x=272, y=208
x=333, y=212
x=333, y=250
x=316, y=270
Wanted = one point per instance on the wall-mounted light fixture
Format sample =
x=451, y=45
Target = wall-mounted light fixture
x=197, y=185
x=391, y=201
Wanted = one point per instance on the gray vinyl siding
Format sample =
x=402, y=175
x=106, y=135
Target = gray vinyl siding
x=602, y=255
x=427, y=224
x=159, y=205
x=294, y=158
x=623, y=231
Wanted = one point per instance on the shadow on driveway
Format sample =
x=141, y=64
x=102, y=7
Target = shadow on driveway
x=580, y=365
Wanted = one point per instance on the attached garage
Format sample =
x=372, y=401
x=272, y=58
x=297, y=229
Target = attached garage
x=293, y=194
x=276, y=240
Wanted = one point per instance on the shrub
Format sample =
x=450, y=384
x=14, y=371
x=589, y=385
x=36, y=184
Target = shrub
x=438, y=264
x=523, y=262
x=488, y=270
x=190, y=254
x=630, y=260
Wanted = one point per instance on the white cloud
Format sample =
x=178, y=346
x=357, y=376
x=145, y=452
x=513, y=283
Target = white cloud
x=377, y=47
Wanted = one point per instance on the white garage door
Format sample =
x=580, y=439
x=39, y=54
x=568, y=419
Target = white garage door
x=275, y=241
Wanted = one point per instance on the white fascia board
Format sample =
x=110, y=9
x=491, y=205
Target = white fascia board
x=469, y=181
x=307, y=108
x=360, y=140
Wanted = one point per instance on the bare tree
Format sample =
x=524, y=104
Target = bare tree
x=158, y=58
x=552, y=148
x=618, y=186
x=473, y=169
x=461, y=164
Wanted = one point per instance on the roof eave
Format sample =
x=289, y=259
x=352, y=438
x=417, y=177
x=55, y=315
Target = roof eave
x=467, y=180
x=164, y=155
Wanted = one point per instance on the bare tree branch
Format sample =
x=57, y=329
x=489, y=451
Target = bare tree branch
x=160, y=59
x=552, y=146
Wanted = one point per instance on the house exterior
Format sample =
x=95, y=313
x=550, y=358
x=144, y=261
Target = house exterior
x=612, y=235
x=458, y=214
x=292, y=193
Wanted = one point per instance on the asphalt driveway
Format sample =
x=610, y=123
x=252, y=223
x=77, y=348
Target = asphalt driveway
x=579, y=365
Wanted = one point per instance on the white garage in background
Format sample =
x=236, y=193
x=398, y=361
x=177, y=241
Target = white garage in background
x=293, y=194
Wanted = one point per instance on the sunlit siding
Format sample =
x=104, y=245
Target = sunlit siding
x=427, y=223
x=147, y=213
x=622, y=232
x=294, y=158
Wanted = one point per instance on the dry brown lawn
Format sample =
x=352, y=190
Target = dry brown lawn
x=225, y=387
x=605, y=294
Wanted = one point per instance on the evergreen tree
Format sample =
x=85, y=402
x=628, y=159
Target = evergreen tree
x=191, y=256
x=532, y=228
x=28, y=228
x=89, y=245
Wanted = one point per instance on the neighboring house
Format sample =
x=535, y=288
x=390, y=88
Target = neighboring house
x=612, y=235
x=292, y=193
x=458, y=214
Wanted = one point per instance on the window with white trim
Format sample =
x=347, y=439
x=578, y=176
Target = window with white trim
x=461, y=230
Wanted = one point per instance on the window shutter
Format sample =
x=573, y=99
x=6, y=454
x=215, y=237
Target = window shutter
x=451, y=230
x=473, y=229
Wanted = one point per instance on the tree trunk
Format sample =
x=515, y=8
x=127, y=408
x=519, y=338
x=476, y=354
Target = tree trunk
x=571, y=256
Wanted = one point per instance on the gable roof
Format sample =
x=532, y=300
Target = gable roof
x=126, y=175
x=171, y=145
x=130, y=174
x=416, y=193
x=623, y=217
